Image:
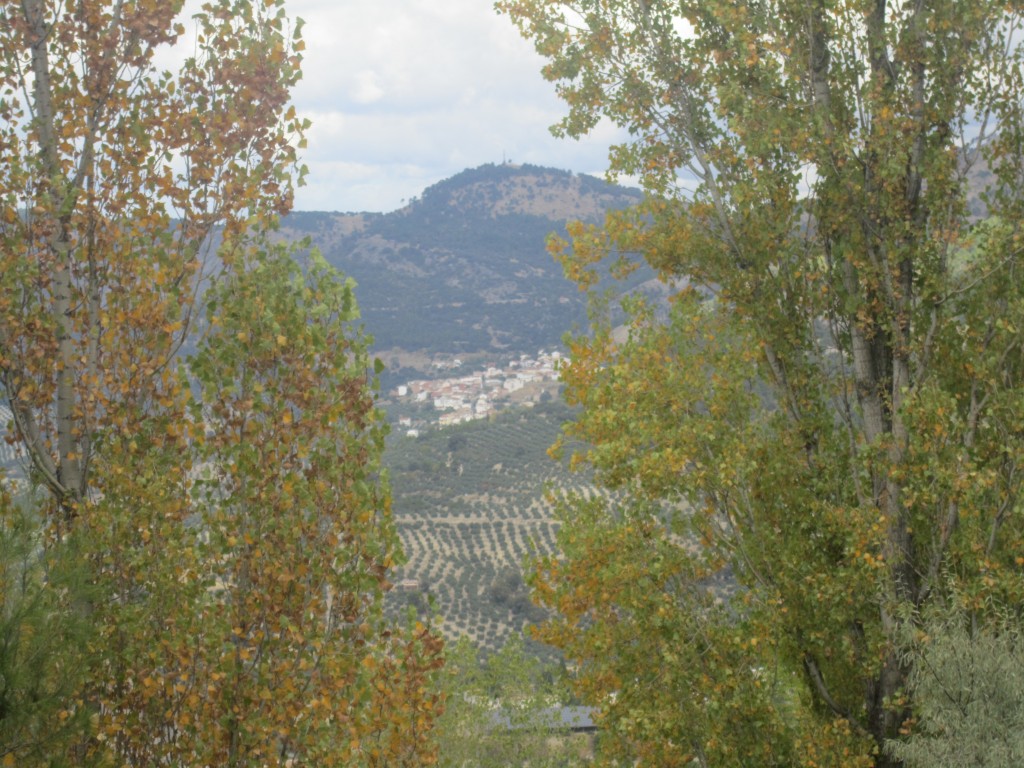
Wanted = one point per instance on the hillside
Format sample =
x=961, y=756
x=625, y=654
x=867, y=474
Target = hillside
x=472, y=503
x=464, y=268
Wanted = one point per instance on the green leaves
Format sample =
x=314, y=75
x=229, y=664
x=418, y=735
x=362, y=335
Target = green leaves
x=967, y=680
x=219, y=479
x=824, y=406
x=44, y=641
x=504, y=710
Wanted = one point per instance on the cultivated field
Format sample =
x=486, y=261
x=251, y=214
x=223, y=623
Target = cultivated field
x=473, y=502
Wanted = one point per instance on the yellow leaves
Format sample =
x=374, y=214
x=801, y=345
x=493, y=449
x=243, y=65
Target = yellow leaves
x=752, y=56
x=197, y=576
x=873, y=560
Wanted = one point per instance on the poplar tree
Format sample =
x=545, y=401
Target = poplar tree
x=197, y=409
x=834, y=395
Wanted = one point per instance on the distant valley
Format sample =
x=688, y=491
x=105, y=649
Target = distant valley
x=472, y=502
x=467, y=309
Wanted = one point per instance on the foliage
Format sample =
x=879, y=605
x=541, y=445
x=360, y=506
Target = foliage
x=253, y=631
x=830, y=411
x=198, y=409
x=107, y=159
x=967, y=682
x=44, y=637
x=501, y=711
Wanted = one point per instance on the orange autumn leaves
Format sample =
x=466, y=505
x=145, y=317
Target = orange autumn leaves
x=198, y=408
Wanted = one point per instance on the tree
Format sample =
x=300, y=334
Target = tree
x=113, y=175
x=966, y=679
x=43, y=641
x=832, y=408
x=198, y=409
x=253, y=630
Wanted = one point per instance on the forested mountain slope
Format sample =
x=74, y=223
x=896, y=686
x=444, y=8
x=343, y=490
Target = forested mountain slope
x=464, y=267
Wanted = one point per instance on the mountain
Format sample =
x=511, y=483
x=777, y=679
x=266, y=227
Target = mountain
x=464, y=267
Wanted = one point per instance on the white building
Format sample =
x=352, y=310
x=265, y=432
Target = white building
x=447, y=403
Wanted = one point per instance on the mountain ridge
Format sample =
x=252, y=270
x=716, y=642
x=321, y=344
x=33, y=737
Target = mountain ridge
x=464, y=267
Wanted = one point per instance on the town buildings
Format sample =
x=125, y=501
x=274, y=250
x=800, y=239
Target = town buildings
x=479, y=394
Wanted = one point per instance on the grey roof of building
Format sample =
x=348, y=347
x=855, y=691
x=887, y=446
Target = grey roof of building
x=576, y=719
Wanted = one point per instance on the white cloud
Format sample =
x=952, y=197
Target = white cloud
x=366, y=89
x=404, y=93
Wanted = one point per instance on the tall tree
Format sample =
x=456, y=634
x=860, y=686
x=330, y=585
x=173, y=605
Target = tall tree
x=214, y=462
x=113, y=173
x=836, y=392
x=251, y=627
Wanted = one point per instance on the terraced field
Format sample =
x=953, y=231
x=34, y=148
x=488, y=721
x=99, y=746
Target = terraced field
x=472, y=502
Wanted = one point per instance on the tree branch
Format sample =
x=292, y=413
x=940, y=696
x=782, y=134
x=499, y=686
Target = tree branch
x=814, y=674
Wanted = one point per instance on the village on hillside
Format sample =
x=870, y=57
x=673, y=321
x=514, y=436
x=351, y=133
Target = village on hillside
x=421, y=403
x=477, y=395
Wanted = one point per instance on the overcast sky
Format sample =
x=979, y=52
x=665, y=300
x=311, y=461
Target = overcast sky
x=405, y=93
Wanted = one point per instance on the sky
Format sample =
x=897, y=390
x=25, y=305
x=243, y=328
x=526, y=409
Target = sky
x=405, y=93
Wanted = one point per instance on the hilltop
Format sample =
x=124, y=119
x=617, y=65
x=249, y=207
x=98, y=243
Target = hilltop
x=464, y=267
